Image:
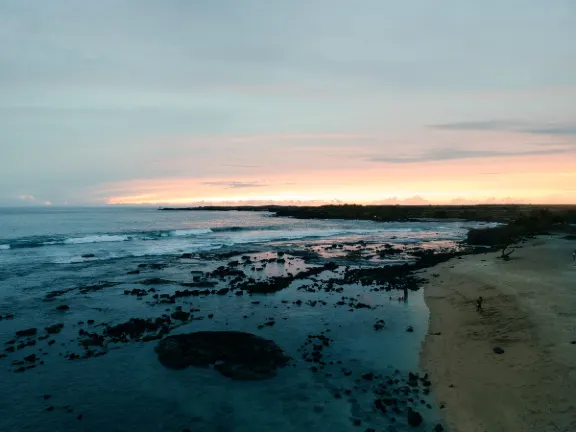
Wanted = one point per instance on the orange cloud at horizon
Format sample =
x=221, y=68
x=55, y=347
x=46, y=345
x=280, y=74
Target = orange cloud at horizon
x=549, y=179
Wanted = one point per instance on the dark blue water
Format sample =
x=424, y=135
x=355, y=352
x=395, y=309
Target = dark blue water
x=63, y=235
x=127, y=389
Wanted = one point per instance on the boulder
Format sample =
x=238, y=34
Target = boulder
x=498, y=350
x=236, y=355
x=27, y=332
x=414, y=418
x=54, y=328
x=62, y=307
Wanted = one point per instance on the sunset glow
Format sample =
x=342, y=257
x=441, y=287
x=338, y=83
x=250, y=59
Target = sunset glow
x=379, y=103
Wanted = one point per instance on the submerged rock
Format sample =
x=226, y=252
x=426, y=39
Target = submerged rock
x=27, y=332
x=236, y=355
x=414, y=418
x=54, y=328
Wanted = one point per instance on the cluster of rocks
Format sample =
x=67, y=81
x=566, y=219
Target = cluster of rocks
x=313, y=350
x=85, y=289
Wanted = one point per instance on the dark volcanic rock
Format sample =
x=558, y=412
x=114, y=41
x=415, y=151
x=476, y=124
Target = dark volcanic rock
x=97, y=287
x=414, y=418
x=156, y=281
x=236, y=355
x=27, y=332
x=62, y=307
x=181, y=315
x=54, y=328
x=88, y=255
x=267, y=286
x=498, y=350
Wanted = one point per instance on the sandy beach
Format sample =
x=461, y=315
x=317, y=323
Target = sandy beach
x=529, y=312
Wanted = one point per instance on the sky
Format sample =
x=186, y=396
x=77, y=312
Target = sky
x=301, y=101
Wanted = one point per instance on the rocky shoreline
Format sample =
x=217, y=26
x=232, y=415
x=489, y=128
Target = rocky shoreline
x=398, y=397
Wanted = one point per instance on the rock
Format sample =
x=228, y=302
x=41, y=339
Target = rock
x=181, y=315
x=156, y=281
x=270, y=285
x=414, y=418
x=27, y=332
x=236, y=355
x=31, y=358
x=62, y=307
x=409, y=329
x=88, y=255
x=46, y=396
x=573, y=342
x=50, y=408
x=151, y=338
x=498, y=350
x=186, y=256
x=438, y=428
x=54, y=328
x=222, y=291
x=368, y=376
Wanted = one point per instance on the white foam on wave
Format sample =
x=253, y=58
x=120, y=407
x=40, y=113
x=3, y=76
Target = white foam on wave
x=97, y=239
x=4, y=247
x=264, y=236
x=190, y=232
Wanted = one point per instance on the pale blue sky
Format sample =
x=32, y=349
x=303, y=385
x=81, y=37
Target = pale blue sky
x=100, y=92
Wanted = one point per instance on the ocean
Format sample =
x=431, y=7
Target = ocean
x=103, y=265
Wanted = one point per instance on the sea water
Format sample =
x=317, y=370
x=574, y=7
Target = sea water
x=49, y=249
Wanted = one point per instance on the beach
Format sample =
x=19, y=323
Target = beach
x=530, y=313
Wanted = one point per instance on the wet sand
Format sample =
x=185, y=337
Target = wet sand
x=529, y=312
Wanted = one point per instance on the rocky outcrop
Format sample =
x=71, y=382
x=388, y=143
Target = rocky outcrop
x=236, y=355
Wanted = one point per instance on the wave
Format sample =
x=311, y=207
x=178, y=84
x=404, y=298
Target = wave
x=222, y=234
x=34, y=242
x=96, y=239
x=189, y=232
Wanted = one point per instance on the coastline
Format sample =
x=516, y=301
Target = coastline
x=529, y=312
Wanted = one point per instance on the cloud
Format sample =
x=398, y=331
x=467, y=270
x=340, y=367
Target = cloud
x=302, y=137
x=31, y=199
x=490, y=200
x=414, y=200
x=28, y=198
x=453, y=154
x=242, y=166
x=235, y=184
x=551, y=128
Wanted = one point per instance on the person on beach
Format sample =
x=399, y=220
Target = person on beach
x=479, y=304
